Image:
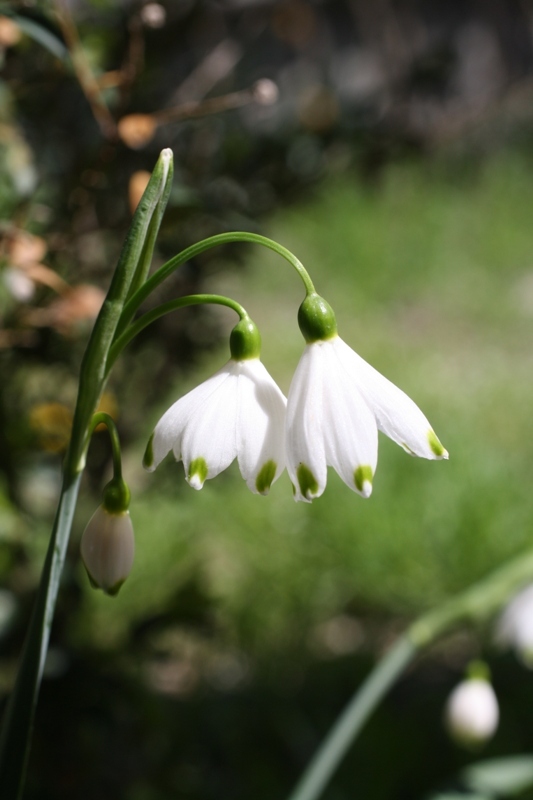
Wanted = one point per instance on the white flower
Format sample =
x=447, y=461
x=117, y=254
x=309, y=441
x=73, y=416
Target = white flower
x=108, y=549
x=237, y=413
x=336, y=404
x=515, y=626
x=472, y=712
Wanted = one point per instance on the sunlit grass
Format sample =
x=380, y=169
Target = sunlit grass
x=431, y=276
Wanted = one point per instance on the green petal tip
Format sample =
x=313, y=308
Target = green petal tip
x=266, y=475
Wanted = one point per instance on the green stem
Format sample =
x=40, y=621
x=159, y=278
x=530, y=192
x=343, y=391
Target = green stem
x=18, y=719
x=180, y=302
x=206, y=244
x=351, y=721
x=101, y=418
x=475, y=605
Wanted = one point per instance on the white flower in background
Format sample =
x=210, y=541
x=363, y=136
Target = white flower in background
x=472, y=712
x=237, y=413
x=515, y=626
x=108, y=549
x=336, y=404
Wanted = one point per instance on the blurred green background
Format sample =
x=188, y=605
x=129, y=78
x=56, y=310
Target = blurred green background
x=402, y=179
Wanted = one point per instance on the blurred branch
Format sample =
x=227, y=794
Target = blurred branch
x=136, y=130
x=83, y=72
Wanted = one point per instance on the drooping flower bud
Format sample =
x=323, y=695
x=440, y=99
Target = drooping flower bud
x=108, y=543
x=472, y=712
x=515, y=626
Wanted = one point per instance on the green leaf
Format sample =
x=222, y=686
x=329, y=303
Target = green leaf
x=500, y=776
x=40, y=28
x=18, y=719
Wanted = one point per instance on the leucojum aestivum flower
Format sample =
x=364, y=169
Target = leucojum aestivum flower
x=335, y=407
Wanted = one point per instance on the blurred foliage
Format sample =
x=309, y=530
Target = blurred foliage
x=396, y=164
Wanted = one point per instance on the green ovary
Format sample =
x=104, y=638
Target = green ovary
x=361, y=476
x=265, y=477
x=307, y=481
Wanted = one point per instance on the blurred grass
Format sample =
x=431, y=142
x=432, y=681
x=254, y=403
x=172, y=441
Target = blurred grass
x=431, y=277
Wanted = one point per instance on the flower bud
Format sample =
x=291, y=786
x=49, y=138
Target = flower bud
x=108, y=549
x=515, y=626
x=472, y=712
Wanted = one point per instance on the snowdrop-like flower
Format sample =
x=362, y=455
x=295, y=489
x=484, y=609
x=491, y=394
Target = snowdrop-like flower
x=237, y=413
x=515, y=626
x=472, y=712
x=108, y=549
x=108, y=544
x=336, y=404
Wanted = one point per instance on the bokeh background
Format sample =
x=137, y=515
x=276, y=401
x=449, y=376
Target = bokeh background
x=393, y=153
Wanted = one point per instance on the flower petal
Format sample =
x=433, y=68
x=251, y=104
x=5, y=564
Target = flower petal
x=209, y=441
x=169, y=430
x=260, y=426
x=396, y=414
x=350, y=432
x=306, y=457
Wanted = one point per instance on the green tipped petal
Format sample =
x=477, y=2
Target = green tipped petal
x=114, y=590
x=363, y=477
x=266, y=475
x=307, y=482
x=148, y=458
x=197, y=473
x=436, y=446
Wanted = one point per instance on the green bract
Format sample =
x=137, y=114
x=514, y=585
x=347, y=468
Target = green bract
x=316, y=319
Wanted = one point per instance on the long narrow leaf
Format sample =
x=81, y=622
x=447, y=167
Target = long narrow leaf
x=16, y=730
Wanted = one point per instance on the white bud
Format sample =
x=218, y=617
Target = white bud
x=515, y=626
x=108, y=549
x=18, y=284
x=153, y=15
x=265, y=92
x=472, y=712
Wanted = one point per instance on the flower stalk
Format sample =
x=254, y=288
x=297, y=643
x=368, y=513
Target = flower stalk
x=478, y=604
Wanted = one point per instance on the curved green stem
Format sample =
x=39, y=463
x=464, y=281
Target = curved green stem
x=101, y=418
x=206, y=244
x=18, y=719
x=352, y=720
x=180, y=302
x=477, y=604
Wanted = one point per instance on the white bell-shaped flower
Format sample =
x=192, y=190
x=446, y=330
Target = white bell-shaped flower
x=515, y=626
x=237, y=413
x=108, y=549
x=336, y=404
x=472, y=713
